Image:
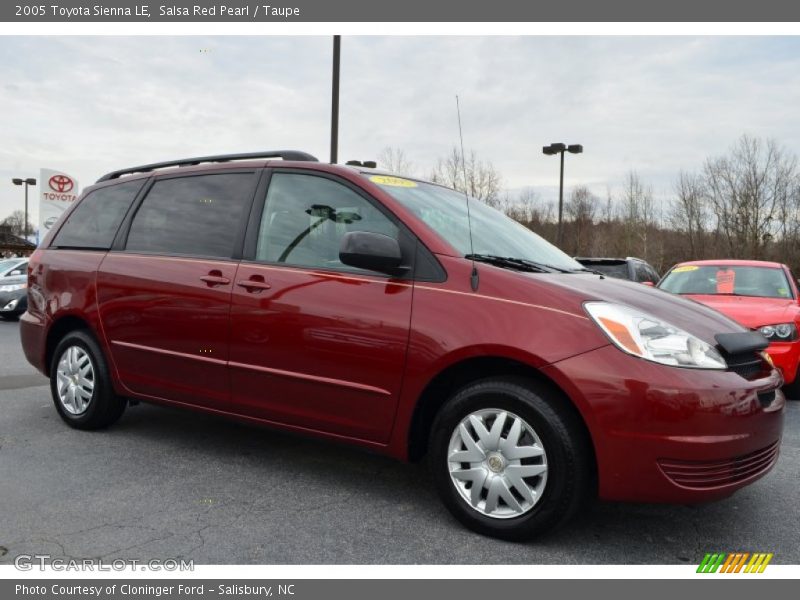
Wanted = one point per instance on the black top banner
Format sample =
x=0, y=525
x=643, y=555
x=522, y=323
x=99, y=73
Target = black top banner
x=463, y=11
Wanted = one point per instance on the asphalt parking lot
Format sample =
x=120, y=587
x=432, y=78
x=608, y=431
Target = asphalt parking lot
x=164, y=483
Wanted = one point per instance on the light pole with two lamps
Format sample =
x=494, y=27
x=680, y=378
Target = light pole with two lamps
x=559, y=148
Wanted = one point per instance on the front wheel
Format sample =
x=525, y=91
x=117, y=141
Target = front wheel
x=792, y=390
x=509, y=459
x=81, y=385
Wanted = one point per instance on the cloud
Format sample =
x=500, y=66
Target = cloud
x=654, y=104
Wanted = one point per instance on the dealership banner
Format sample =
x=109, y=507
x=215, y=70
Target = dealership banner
x=57, y=192
x=458, y=11
x=396, y=589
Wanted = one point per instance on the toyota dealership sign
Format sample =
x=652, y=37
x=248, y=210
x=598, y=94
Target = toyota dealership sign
x=58, y=192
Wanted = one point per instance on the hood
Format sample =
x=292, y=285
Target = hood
x=562, y=290
x=752, y=312
x=17, y=279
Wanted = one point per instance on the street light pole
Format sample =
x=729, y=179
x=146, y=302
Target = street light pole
x=559, y=148
x=26, y=182
x=560, y=234
x=337, y=42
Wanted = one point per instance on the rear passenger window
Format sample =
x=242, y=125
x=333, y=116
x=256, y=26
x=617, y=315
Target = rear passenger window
x=95, y=221
x=640, y=272
x=198, y=215
x=305, y=218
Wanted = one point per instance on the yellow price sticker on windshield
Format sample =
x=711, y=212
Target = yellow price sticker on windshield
x=394, y=181
x=685, y=268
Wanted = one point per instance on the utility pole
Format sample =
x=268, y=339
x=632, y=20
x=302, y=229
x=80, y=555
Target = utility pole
x=337, y=43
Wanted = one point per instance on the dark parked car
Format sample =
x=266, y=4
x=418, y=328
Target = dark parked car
x=633, y=269
x=13, y=287
x=359, y=306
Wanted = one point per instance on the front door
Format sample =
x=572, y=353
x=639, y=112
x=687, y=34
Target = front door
x=316, y=344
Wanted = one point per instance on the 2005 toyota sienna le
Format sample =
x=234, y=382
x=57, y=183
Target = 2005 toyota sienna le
x=395, y=314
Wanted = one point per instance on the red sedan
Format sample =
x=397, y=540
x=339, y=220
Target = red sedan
x=760, y=295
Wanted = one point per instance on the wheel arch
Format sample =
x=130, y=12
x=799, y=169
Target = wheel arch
x=455, y=376
x=56, y=332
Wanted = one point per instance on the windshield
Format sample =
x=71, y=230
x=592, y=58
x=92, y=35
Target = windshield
x=764, y=282
x=618, y=269
x=7, y=264
x=493, y=233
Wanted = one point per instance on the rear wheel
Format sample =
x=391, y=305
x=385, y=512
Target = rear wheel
x=508, y=459
x=80, y=384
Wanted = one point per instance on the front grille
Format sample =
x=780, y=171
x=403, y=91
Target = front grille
x=748, y=364
x=711, y=474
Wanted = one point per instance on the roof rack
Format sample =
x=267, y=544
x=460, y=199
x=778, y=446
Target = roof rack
x=188, y=162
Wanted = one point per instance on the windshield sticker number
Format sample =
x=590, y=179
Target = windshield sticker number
x=393, y=181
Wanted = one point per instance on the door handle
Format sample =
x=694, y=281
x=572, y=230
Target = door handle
x=215, y=280
x=254, y=285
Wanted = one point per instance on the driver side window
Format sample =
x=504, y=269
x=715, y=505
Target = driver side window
x=18, y=270
x=305, y=218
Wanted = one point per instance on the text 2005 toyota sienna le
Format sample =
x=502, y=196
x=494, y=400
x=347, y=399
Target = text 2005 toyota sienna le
x=351, y=304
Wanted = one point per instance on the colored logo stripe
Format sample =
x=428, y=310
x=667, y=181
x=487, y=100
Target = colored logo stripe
x=735, y=562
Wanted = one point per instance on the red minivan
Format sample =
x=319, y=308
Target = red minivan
x=398, y=315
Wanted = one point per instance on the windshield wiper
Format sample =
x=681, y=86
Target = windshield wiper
x=520, y=264
x=585, y=270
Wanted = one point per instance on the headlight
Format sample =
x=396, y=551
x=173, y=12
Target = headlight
x=783, y=332
x=650, y=338
x=13, y=288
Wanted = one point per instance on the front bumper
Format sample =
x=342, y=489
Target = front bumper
x=785, y=355
x=666, y=434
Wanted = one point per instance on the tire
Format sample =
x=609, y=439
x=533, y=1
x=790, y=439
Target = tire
x=554, y=496
x=89, y=407
x=792, y=390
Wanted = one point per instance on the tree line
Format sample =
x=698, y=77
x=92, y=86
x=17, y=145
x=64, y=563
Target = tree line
x=742, y=204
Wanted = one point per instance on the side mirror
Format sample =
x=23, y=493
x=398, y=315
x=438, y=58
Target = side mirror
x=371, y=251
x=15, y=272
x=649, y=283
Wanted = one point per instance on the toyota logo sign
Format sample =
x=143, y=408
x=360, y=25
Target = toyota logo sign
x=61, y=184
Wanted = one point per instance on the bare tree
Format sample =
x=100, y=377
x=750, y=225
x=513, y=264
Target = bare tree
x=481, y=178
x=395, y=159
x=15, y=224
x=787, y=246
x=747, y=189
x=689, y=213
x=522, y=206
x=638, y=215
x=580, y=209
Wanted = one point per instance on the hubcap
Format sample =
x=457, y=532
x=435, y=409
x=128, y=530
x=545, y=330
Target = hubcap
x=75, y=380
x=497, y=463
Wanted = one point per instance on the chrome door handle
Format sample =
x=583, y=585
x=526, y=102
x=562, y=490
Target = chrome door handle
x=214, y=280
x=253, y=285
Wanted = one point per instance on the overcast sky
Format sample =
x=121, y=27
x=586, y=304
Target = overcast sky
x=88, y=105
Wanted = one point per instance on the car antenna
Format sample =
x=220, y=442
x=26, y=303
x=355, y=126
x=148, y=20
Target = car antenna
x=473, y=278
